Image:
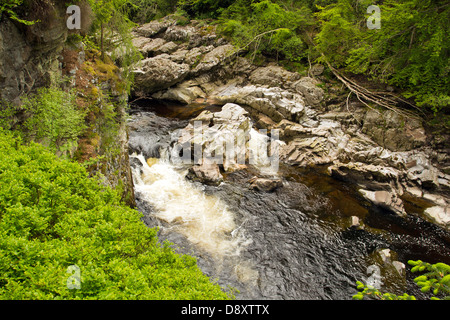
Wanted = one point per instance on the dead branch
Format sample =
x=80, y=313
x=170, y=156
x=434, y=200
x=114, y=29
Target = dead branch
x=365, y=96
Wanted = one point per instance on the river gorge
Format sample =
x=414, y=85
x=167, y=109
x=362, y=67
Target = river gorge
x=296, y=242
x=354, y=195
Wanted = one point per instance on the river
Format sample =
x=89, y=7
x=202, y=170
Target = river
x=296, y=243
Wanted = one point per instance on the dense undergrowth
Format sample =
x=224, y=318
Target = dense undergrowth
x=52, y=216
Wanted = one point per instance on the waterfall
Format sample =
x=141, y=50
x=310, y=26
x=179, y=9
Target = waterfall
x=205, y=220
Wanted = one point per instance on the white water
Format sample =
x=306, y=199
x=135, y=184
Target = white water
x=205, y=220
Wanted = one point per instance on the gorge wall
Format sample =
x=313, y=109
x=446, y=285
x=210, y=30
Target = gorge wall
x=393, y=161
x=44, y=54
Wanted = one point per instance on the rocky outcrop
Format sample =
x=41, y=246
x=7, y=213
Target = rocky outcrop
x=210, y=136
x=29, y=54
x=36, y=56
x=386, y=154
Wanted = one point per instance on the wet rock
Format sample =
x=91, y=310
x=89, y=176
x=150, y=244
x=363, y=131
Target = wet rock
x=222, y=136
x=355, y=222
x=206, y=173
x=265, y=184
x=400, y=267
x=385, y=199
x=440, y=215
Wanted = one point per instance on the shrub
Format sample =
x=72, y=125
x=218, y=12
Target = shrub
x=52, y=217
x=54, y=119
x=436, y=280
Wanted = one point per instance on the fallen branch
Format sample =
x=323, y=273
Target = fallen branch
x=385, y=100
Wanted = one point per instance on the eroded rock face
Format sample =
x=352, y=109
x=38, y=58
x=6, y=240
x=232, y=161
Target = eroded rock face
x=29, y=54
x=159, y=73
x=276, y=103
x=393, y=131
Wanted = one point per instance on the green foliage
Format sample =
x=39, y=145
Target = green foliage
x=265, y=27
x=53, y=119
x=111, y=31
x=143, y=11
x=436, y=280
x=411, y=50
x=9, y=7
x=52, y=216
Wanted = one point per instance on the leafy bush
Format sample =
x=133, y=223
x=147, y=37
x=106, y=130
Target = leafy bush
x=265, y=27
x=9, y=7
x=54, y=119
x=435, y=280
x=52, y=217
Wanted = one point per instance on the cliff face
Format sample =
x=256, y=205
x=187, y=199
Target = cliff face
x=29, y=54
x=40, y=55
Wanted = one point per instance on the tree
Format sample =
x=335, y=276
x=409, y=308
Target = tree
x=411, y=50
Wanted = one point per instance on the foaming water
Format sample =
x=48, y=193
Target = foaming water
x=204, y=219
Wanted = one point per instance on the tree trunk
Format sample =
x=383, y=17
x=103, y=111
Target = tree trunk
x=101, y=43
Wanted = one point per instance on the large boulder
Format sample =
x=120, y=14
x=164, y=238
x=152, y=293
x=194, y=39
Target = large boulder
x=155, y=27
x=312, y=93
x=394, y=131
x=440, y=215
x=155, y=74
x=276, y=103
x=273, y=76
x=217, y=133
x=385, y=199
x=206, y=173
x=213, y=59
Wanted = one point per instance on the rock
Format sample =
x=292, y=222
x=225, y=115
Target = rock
x=385, y=255
x=385, y=199
x=265, y=184
x=29, y=59
x=179, y=33
x=154, y=27
x=273, y=76
x=222, y=136
x=355, y=222
x=400, y=267
x=367, y=175
x=167, y=48
x=182, y=93
x=213, y=59
x=276, y=103
x=194, y=56
x=147, y=46
x=393, y=131
x=207, y=173
x=158, y=73
x=440, y=215
x=307, y=87
x=317, y=69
